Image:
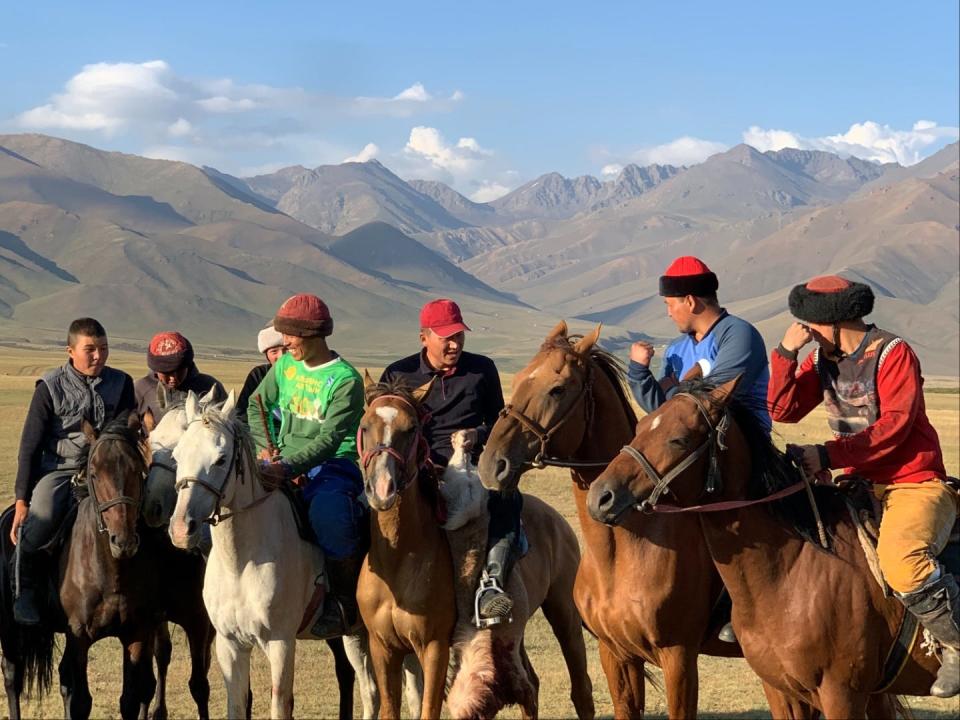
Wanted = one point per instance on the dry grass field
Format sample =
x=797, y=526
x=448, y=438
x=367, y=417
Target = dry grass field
x=728, y=689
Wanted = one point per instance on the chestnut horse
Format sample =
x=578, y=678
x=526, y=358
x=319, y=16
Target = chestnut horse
x=645, y=588
x=812, y=622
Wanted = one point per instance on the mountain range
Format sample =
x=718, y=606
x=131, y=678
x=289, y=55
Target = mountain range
x=150, y=244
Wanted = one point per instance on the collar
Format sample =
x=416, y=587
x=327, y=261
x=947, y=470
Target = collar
x=88, y=379
x=427, y=369
x=693, y=335
x=332, y=361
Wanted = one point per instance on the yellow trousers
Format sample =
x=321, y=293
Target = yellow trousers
x=916, y=525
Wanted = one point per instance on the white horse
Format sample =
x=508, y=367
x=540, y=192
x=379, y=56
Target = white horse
x=260, y=575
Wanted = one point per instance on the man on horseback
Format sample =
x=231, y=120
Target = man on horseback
x=467, y=396
x=270, y=343
x=320, y=399
x=870, y=383
x=714, y=345
x=173, y=373
x=53, y=449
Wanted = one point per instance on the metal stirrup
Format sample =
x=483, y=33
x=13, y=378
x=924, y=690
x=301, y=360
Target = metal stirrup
x=487, y=583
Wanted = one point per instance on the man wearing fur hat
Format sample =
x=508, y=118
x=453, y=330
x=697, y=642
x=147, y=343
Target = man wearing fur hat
x=870, y=383
x=320, y=399
x=714, y=345
x=270, y=343
x=172, y=375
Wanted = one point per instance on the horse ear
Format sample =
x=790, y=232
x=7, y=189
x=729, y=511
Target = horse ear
x=559, y=331
x=162, y=399
x=229, y=405
x=368, y=381
x=420, y=394
x=88, y=430
x=149, y=422
x=191, y=406
x=588, y=341
x=721, y=395
x=133, y=421
x=209, y=395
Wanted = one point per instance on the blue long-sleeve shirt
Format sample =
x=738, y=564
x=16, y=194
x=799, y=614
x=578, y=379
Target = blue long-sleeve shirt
x=731, y=347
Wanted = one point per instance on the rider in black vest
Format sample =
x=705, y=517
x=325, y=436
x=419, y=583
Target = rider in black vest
x=53, y=448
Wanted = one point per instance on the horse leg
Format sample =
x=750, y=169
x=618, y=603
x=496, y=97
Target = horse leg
x=434, y=660
x=78, y=699
x=530, y=687
x=626, y=682
x=679, y=665
x=789, y=707
x=13, y=684
x=564, y=618
x=162, y=652
x=884, y=706
x=841, y=702
x=139, y=682
x=345, y=677
x=357, y=649
x=386, y=666
x=234, y=662
x=200, y=638
x=413, y=685
x=282, y=654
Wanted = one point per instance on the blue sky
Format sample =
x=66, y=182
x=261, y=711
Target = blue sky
x=484, y=97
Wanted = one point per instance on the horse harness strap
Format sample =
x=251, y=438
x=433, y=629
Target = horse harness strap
x=92, y=489
x=418, y=445
x=217, y=517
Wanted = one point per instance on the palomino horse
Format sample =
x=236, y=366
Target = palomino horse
x=812, y=622
x=261, y=576
x=108, y=580
x=644, y=588
x=160, y=497
x=407, y=591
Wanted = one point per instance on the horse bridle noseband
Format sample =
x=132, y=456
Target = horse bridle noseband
x=419, y=444
x=543, y=434
x=91, y=477
x=216, y=517
x=715, y=441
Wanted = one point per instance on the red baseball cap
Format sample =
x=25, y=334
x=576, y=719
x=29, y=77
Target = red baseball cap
x=443, y=317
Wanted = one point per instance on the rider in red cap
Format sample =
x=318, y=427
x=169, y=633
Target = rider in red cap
x=466, y=396
x=870, y=384
x=173, y=373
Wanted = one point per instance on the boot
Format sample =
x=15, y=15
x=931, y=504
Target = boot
x=726, y=633
x=937, y=606
x=341, y=616
x=492, y=604
x=26, y=598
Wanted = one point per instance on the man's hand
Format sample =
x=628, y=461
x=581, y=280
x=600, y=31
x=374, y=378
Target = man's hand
x=641, y=353
x=275, y=471
x=266, y=455
x=796, y=337
x=469, y=438
x=667, y=382
x=20, y=512
x=810, y=460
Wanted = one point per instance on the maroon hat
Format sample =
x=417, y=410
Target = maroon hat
x=168, y=352
x=442, y=317
x=830, y=299
x=688, y=275
x=304, y=315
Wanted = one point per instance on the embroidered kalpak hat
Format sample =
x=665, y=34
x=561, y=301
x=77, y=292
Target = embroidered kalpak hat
x=830, y=299
x=168, y=352
x=688, y=275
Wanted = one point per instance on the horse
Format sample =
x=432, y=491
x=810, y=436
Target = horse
x=253, y=598
x=812, y=620
x=408, y=595
x=160, y=497
x=644, y=588
x=107, y=580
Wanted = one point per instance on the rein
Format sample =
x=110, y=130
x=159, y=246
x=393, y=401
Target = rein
x=543, y=434
x=419, y=444
x=120, y=499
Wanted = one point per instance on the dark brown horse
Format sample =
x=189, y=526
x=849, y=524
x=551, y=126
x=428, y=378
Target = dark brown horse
x=113, y=578
x=646, y=588
x=812, y=622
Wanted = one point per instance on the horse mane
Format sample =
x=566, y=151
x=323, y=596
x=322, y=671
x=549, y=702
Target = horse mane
x=771, y=469
x=212, y=415
x=118, y=429
x=605, y=361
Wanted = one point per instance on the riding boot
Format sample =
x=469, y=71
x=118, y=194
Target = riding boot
x=937, y=606
x=26, y=597
x=492, y=603
x=341, y=616
x=726, y=633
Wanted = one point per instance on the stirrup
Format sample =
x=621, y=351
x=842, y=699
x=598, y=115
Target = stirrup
x=490, y=584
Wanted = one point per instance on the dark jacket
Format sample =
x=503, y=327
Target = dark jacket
x=146, y=391
x=467, y=397
x=254, y=377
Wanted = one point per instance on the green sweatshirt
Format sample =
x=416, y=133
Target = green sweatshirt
x=320, y=410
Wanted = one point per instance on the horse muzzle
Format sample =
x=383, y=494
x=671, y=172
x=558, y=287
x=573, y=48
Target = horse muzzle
x=497, y=472
x=607, y=503
x=184, y=532
x=124, y=548
x=382, y=493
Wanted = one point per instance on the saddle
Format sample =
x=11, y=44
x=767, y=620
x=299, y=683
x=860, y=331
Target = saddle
x=294, y=494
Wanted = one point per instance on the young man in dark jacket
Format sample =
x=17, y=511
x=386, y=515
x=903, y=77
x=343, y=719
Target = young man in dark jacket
x=465, y=396
x=53, y=448
x=270, y=343
x=172, y=375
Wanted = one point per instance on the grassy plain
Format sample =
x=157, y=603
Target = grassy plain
x=728, y=689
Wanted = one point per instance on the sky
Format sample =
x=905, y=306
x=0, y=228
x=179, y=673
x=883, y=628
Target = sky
x=482, y=96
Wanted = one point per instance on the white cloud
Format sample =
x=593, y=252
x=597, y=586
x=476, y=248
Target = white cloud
x=611, y=170
x=489, y=190
x=684, y=150
x=868, y=140
x=416, y=92
x=221, y=104
x=180, y=128
x=428, y=145
x=369, y=152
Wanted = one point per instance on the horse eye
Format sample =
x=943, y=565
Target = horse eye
x=556, y=391
x=221, y=460
x=679, y=442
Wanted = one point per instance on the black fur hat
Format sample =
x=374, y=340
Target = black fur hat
x=830, y=299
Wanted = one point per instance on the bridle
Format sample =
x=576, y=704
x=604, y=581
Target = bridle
x=418, y=446
x=544, y=434
x=102, y=507
x=714, y=442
